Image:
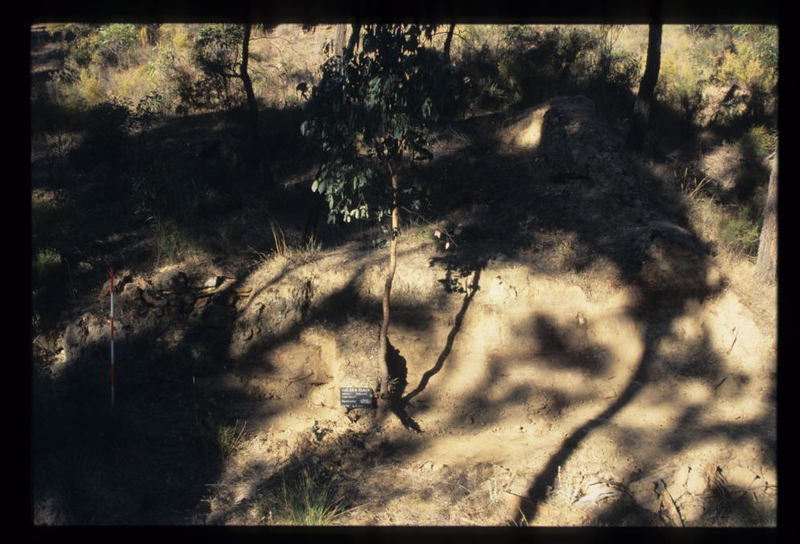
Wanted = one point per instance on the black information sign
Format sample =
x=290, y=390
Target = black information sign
x=356, y=397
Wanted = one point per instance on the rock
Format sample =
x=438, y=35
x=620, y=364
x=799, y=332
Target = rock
x=152, y=300
x=696, y=482
x=130, y=293
x=214, y=282
x=47, y=343
x=643, y=492
x=742, y=477
x=680, y=478
x=131, y=288
x=121, y=279
x=81, y=333
x=171, y=280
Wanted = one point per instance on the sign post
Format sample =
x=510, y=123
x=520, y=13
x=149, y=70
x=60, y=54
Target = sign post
x=356, y=397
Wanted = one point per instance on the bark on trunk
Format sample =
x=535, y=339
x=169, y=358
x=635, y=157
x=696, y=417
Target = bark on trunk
x=767, y=262
x=315, y=207
x=448, y=42
x=647, y=86
x=383, y=368
x=352, y=43
x=312, y=218
x=248, y=83
x=255, y=151
x=338, y=43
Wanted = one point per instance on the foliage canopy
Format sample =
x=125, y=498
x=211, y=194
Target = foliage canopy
x=370, y=112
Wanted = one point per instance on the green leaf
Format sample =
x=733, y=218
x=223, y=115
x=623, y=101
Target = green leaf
x=314, y=186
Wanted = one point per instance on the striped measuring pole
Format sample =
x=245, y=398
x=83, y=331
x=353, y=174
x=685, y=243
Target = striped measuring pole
x=111, y=320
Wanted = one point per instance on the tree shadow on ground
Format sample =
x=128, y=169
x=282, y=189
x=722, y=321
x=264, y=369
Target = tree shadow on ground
x=568, y=348
x=440, y=360
x=575, y=203
x=398, y=377
x=731, y=506
x=624, y=511
x=517, y=203
x=653, y=331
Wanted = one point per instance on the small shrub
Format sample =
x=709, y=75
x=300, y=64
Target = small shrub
x=169, y=243
x=216, y=53
x=536, y=64
x=117, y=43
x=51, y=221
x=81, y=51
x=486, y=82
x=739, y=232
x=307, y=495
x=680, y=83
x=90, y=88
x=46, y=261
x=133, y=84
x=762, y=140
x=229, y=437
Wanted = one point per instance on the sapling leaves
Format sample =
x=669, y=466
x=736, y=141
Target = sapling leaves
x=369, y=112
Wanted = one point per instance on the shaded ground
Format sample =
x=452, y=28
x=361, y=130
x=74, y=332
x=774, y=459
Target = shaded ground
x=576, y=357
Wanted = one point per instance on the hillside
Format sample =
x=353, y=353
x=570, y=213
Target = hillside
x=583, y=351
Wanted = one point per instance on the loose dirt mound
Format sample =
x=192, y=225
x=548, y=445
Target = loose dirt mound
x=614, y=380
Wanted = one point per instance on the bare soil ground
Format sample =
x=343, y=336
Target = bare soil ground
x=576, y=357
x=525, y=376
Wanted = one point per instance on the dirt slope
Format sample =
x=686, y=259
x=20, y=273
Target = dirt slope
x=577, y=357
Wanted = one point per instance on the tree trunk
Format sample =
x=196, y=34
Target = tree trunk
x=647, y=86
x=248, y=83
x=312, y=218
x=767, y=262
x=383, y=367
x=352, y=43
x=448, y=42
x=255, y=152
x=338, y=42
x=317, y=200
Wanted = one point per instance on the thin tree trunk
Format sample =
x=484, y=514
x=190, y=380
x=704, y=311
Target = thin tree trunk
x=352, y=43
x=767, y=262
x=317, y=200
x=255, y=151
x=248, y=83
x=312, y=218
x=643, y=106
x=383, y=367
x=338, y=42
x=448, y=42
